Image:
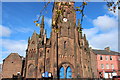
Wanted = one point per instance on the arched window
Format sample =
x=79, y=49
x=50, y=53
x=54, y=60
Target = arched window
x=31, y=70
x=68, y=31
x=68, y=72
x=64, y=44
x=61, y=72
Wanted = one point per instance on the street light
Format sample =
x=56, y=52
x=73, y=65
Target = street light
x=46, y=75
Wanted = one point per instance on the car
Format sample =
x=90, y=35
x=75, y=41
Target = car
x=116, y=78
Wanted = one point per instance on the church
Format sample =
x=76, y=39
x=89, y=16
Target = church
x=66, y=54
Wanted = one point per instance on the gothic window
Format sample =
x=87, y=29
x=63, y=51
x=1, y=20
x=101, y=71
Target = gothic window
x=65, y=73
x=31, y=70
x=65, y=45
x=41, y=53
x=65, y=14
x=68, y=30
x=61, y=72
x=33, y=42
x=68, y=72
x=32, y=55
x=47, y=61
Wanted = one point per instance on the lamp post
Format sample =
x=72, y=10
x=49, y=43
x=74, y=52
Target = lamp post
x=57, y=30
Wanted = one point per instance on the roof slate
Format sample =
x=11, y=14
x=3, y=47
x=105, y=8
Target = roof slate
x=104, y=52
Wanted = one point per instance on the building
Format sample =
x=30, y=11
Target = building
x=66, y=54
x=107, y=63
x=94, y=64
x=12, y=65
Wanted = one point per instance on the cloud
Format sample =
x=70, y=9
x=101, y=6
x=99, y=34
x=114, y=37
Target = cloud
x=13, y=46
x=47, y=20
x=5, y=31
x=105, y=39
x=23, y=30
x=104, y=33
x=90, y=32
x=105, y=22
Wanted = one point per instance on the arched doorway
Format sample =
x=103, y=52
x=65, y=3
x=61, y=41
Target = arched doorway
x=61, y=72
x=31, y=70
x=65, y=72
x=68, y=72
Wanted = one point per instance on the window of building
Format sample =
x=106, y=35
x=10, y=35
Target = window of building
x=61, y=72
x=107, y=66
x=110, y=57
x=112, y=65
x=119, y=58
x=68, y=72
x=64, y=44
x=100, y=57
x=68, y=30
x=65, y=73
x=102, y=66
x=106, y=57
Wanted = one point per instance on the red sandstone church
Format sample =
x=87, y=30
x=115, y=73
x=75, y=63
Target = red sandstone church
x=66, y=54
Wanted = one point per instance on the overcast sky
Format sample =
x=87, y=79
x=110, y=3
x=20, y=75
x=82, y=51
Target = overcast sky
x=100, y=25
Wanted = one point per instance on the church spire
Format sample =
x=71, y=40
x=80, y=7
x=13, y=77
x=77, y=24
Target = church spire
x=42, y=22
x=42, y=27
x=85, y=37
x=28, y=39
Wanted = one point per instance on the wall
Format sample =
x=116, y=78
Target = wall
x=114, y=61
x=11, y=65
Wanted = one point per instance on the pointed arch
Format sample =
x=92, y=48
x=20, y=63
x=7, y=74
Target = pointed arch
x=65, y=44
x=31, y=69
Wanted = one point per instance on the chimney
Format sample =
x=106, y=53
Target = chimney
x=90, y=48
x=107, y=49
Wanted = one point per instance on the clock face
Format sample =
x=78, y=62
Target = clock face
x=65, y=19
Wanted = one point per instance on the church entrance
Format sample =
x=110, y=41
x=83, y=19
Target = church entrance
x=65, y=72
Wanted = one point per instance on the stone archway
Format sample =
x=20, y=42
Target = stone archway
x=66, y=70
x=31, y=70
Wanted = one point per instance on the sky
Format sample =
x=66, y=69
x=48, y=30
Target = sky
x=100, y=25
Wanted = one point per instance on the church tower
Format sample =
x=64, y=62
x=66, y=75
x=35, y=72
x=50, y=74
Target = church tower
x=64, y=18
x=69, y=50
x=66, y=53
